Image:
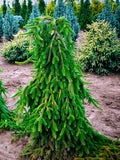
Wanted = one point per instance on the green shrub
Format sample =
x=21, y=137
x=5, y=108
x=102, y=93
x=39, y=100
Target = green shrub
x=101, y=52
x=16, y=49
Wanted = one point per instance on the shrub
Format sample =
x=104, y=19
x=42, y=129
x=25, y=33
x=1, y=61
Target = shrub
x=19, y=19
x=101, y=52
x=16, y=49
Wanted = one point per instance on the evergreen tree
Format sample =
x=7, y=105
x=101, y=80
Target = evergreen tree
x=117, y=2
x=4, y=8
x=96, y=7
x=107, y=15
x=50, y=8
x=29, y=7
x=85, y=14
x=41, y=5
x=6, y=116
x=70, y=16
x=24, y=11
x=13, y=8
x=60, y=9
x=28, y=12
x=55, y=115
x=1, y=27
x=81, y=14
x=35, y=13
x=17, y=7
x=117, y=16
x=10, y=25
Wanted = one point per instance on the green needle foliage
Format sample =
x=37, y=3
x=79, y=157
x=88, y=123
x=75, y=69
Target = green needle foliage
x=55, y=115
x=6, y=116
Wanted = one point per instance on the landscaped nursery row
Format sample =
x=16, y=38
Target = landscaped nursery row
x=50, y=109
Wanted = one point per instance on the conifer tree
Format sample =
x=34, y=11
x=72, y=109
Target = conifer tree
x=50, y=8
x=10, y=25
x=70, y=16
x=6, y=116
x=13, y=8
x=117, y=2
x=117, y=16
x=4, y=8
x=96, y=7
x=85, y=14
x=81, y=14
x=1, y=27
x=41, y=5
x=60, y=9
x=55, y=115
x=107, y=15
x=24, y=11
x=35, y=13
x=17, y=7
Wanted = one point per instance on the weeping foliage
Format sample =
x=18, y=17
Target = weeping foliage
x=55, y=116
x=6, y=116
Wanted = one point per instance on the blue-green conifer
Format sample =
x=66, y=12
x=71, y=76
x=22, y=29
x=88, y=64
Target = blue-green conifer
x=70, y=16
x=60, y=9
x=117, y=16
x=107, y=15
x=1, y=26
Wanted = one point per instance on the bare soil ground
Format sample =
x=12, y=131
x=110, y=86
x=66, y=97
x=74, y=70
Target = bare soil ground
x=106, y=89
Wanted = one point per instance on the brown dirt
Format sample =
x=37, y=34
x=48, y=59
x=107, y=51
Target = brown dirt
x=106, y=89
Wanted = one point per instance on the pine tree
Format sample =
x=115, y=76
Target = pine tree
x=4, y=8
x=60, y=9
x=13, y=8
x=107, y=15
x=41, y=5
x=55, y=115
x=70, y=16
x=1, y=27
x=10, y=25
x=17, y=7
x=117, y=16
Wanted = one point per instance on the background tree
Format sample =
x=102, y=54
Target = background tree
x=4, y=8
x=85, y=14
x=117, y=2
x=35, y=13
x=50, y=8
x=60, y=9
x=13, y=8
x=24, y=11
x=76, y=8
x=117, y=16
x=70, y=16
x=17, y=7
x=1, y=27
x=96, y=7
x=41, y=5
x=28, y=12
x=10, y=25
x=107, y=15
